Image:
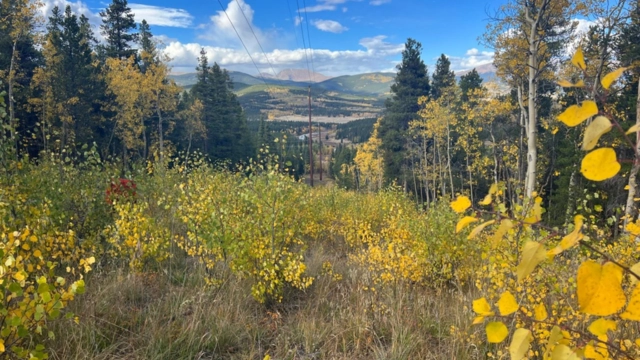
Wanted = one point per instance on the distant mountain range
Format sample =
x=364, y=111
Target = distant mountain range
x=343, y=97
x=370, y=84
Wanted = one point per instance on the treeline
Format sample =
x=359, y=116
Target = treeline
x=439, y=138
x=356, y=131
x=64, y=89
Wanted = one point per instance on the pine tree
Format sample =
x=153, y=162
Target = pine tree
x=469, y=82
x=443, y=77
x=228, y=136
x=147, y=45
x=412, y=82
x=117, y=26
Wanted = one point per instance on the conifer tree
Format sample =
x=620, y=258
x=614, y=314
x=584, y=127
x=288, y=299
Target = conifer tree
x=117, y=26
x=469, y=82
x=443, y=77
x=412, y=82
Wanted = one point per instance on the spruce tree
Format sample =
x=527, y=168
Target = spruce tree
x=469, y=82
x=412, y=82
x=443, y=77
x=117, y=26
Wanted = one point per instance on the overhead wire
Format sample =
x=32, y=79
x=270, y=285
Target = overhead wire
x=304, y=45
x=306, y=15
x=256, y=37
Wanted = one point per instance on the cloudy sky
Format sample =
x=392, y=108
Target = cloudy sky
x=344, y=36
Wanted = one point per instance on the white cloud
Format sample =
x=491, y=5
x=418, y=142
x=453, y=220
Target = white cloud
x=329, y=26
x=377, y=55
x=379, y=2
x=472, y=58
x=161, y=16
x=220, y=31
x=324, y=5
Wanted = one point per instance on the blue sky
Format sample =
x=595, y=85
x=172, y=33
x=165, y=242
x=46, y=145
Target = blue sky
x=346, y=36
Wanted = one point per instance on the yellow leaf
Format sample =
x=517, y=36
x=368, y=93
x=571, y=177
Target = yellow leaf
x=507, y=304
x=19, y=276
x=597, y=352
x=2, y=346
x=576, y=114
x=570, y=240
x=478, y=320
x=632, y=312
x=600, y=328
x=563, y=352
x=578, y=60
x=536, y=212
x=487, y=200
x=461, y=204
x=598, y=127
x=493, y=189
x=482, y=307
x=608, y=79
x=533, y=254
x=540, y=312
x=496, y=332
x=636, y=270
x=600, y=164
x=599, y=288
x=568, y=84
x=505, y=226
x=464, y=222
x=267, y=357
x=634, y=128
x=479, y=228
x=520, y=344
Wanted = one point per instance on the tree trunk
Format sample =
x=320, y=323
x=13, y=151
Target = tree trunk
x=12, y=115
x=630, y=209
x=449, y=159
x=532, y=151
x=160, y=132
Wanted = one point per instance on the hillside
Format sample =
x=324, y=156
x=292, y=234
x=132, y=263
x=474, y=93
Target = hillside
x=297, y=75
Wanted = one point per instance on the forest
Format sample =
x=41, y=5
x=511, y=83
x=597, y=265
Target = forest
x=141, y=220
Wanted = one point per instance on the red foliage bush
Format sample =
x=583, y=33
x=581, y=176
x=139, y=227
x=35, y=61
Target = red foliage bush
x=120, y=189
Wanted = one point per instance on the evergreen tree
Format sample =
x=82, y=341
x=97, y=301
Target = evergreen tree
x=117, y=24
x=443, y=77
x=412, y=82
x=469, y=82
x=147, y=45
x=228, y=136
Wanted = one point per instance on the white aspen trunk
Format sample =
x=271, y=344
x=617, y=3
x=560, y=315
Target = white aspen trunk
x=12, y=116
x=532, y=151
x=630, y=209
x=449, y=159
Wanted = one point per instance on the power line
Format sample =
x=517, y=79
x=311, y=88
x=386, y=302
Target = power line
x=256, y=37
x=304, y=45
x=306, y=15
x=242, y=42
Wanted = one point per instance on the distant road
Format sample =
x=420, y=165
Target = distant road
x=324, y=119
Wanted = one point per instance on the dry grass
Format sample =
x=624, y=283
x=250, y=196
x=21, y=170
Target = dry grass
x=175, y=316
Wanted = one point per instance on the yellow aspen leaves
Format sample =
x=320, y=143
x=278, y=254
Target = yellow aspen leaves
x=533, y=253
x=563, y=352
x=578, y=60
x=575, y=114
x=600, y=328
x=479, y=228
x=505, y=226
x=520, y=343
x=507, y=304
x=487, y=200
x=600, y=164
x=536, y=212
x=464, y=222
x=481, y=307
x=632, y=312
x=608, y=79
x=634, y=128
x=636, y=270
x=496, y=332
x=598, y=352
x=599, y=288
x=568, y=84
x=598, y=127
x=571, y=239
x=461, y=204
x=540, y=312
